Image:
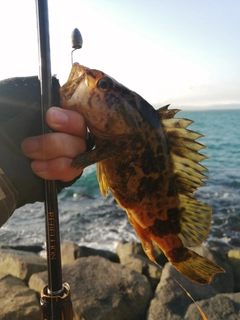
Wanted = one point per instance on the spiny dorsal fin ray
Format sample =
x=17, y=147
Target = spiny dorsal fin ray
x=165, y=113
x=183, y=133
x=189, y=163
x=188, y=153
x=177, y=122
x=180, y=167
x=195, y=178
x=188, y=184
x=185, y=142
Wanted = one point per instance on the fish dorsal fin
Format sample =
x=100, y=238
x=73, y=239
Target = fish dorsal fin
x=103, y=184
x=165, y=113
x=195, y=216
x=195, y=221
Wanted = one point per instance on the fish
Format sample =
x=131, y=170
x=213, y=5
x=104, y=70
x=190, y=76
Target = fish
x=149, y=160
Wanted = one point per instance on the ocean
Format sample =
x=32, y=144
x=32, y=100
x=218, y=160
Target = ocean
x=86, y=218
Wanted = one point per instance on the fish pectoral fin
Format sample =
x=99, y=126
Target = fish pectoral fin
x=96, y=155
x=144, y=238
x=102, y=180
x=193, y=266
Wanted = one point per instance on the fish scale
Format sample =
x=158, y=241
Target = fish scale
x=149, y=160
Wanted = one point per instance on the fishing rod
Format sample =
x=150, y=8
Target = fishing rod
x=55, y=300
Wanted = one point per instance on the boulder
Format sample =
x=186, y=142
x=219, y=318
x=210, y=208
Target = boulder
x=234, y=261
x=171, y=301
x=102, y=290
x=144, y=266
x=17, y=300
x=128, y=248
x=21, y=264
x=225, y=306
x=71, y=251
x=30, y=248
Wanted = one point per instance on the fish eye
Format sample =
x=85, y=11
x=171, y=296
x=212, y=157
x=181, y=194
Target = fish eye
x=105, y=84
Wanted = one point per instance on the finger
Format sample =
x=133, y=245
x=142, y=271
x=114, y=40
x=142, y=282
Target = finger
x=53, y=145
x=56, y=169
x=67, y=121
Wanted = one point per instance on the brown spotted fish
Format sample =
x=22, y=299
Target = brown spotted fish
x=150, y=162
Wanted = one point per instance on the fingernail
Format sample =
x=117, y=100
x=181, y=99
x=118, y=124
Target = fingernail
x=58, y=116
x=30, y=145
x=39, y=166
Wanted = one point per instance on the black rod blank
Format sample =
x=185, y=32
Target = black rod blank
x=51, y=204
x=55, y=301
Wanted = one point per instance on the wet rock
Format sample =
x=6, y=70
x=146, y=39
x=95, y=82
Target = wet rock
x=21, y=264
x=128, y=248
x=17, y=300
x=170, y=301
x=234, y=261
x=102, y=290
x=87, y=252
x=71, y=251
x=144, y=266
x=28, y=248
x=221, y=307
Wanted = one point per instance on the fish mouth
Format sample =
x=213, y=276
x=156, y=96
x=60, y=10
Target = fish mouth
x=76, y=76
x=76, y=72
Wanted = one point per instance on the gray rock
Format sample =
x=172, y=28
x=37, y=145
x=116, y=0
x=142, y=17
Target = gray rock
x=144, y=266
x=128, y=248
x=102, y=290
x=71, y=251
x=170, y=301
x=225, y=306
x=21, y=264
x=87, y=252
x=29, y=248
x=234, y=261
x=17, y=300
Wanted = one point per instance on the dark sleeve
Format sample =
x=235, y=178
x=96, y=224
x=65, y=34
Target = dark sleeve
x=20, y=117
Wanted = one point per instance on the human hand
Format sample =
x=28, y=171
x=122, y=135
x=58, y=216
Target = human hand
x=52, y=154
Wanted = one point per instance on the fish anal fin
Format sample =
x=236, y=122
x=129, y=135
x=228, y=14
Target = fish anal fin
x=144, y=238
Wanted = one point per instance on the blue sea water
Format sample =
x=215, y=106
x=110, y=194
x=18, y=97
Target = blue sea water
x=88, y=219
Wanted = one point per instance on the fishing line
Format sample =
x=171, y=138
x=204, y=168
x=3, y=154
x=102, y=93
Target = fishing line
x=188, y=294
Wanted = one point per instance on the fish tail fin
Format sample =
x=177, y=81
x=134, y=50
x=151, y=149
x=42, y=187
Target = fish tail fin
x=195, y=267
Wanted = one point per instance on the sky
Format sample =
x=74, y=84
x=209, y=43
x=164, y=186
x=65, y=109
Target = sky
x=183, y=52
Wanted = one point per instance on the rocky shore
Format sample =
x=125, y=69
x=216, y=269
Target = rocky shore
x=119, y=286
